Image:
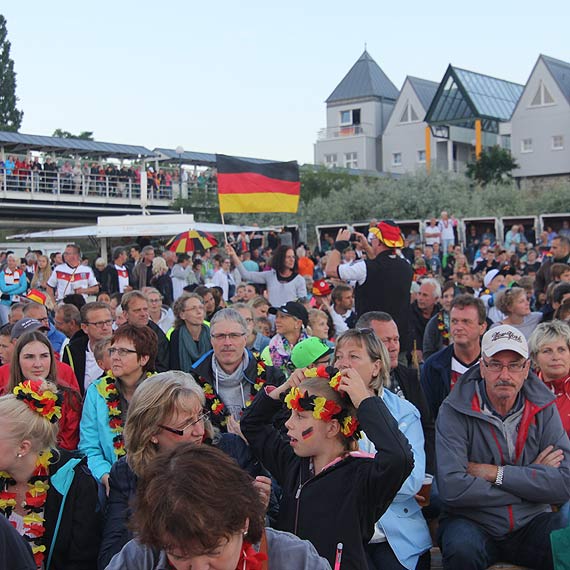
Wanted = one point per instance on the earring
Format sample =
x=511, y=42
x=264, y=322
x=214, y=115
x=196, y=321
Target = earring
x=19, y=455
x=154, y=440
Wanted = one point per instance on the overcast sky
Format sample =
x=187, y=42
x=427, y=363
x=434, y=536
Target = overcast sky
x=249, y=78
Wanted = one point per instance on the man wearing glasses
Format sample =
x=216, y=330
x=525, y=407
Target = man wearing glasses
x=503, y=458
x=97, y=324
x=230, y=374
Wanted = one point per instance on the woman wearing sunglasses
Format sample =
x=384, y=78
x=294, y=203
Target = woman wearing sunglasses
x=133, y=353
x=165, y=412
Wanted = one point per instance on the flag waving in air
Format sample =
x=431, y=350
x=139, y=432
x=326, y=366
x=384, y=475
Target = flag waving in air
x=251, y=187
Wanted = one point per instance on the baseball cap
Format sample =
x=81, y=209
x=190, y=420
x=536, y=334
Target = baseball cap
x=26, y=325
x=308, y=351
x=388, y=233
x=294, y=309
x=322, y=288
x=504, y=337
x=489, y=276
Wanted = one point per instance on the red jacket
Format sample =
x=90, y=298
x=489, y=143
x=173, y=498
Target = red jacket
x=68, y=436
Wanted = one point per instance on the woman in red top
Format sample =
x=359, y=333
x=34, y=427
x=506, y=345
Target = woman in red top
x=33, y=359
x=549, y=347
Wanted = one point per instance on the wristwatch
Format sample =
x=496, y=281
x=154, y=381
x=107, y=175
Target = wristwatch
x=499, y=478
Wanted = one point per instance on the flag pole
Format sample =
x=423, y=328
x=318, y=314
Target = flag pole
x=224, y=224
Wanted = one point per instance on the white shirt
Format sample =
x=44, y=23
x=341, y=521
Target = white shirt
x=123, y=275
x=429, y=235
x=92, y=370
x=66, y=279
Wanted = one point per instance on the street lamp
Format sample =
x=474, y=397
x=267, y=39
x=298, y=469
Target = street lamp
x=180, y=152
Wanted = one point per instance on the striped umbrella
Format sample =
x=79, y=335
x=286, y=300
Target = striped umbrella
x=192, y=240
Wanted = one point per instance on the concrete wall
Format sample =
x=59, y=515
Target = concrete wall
x=541, y=124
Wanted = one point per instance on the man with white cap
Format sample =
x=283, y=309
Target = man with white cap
x=503, y=458
x=493, y=281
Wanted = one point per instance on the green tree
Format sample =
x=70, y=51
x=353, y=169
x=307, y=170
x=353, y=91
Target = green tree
x=494, y=165
x=10, y=116
x=83, y=135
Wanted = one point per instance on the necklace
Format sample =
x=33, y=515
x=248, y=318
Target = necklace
x=250, y=559
x=36, y=496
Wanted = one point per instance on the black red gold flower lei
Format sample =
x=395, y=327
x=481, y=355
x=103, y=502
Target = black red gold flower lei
x=36, y=496
x=44, y=402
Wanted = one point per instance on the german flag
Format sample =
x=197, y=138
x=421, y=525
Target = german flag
x=250, y=187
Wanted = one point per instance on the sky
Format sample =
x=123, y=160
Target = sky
x=249, y=78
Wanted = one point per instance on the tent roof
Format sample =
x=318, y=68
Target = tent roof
x=150, y=225
x=18, y=142
x=199, y=158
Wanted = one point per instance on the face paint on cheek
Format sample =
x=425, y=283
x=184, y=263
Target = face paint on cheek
x=307, y=433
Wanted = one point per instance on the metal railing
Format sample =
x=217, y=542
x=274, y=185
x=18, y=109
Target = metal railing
x=328, y=133
x=97, y=187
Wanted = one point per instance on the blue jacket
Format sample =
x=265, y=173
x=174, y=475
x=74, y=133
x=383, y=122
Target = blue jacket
x=18, y=289
x=435, y=378
x=403, y=523
x=95, y=435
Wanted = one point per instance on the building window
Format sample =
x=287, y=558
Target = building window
x=542, y=97
x=506, y=142
x=351, y=160
x=397, y=159
x=421, y=155
x=409, y=115
x=526, y=145
x=331, y=160
x=350, y=117
x=557, y=142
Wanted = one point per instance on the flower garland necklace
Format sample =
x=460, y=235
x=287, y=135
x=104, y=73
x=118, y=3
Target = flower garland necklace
x=219, y=413
x=113, y=402
x=36, y=496
x=250, y=559
x=442, y=328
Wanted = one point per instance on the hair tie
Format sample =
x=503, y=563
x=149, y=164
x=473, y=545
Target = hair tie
x=44, y=402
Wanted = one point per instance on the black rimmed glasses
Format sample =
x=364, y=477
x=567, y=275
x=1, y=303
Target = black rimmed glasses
x=180, y=432
x=122, y=352
x=100, y=324
x=233, y=336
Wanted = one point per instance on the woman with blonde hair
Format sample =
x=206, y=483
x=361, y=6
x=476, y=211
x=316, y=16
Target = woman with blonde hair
x=166, y=411
x=47, y=494
x=161, y=280
x=42, y=273
x=514, y=304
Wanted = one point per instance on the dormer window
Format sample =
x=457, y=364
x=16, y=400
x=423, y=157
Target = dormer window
x=542, y=97
x=409, y=115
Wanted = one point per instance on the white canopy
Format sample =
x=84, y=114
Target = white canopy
x=146, y=225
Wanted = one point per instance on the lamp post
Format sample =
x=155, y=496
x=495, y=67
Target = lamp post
x=180, y=152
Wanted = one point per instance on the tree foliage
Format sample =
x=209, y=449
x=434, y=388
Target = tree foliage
x=493, y=165
x=10, y=116
x=83, y=135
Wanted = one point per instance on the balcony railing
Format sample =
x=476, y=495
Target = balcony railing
x=94, y=187
x=330, y=133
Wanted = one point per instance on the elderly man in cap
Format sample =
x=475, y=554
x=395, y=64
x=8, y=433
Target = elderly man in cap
x=503, y=458
x=383, y=280
x=229, y=374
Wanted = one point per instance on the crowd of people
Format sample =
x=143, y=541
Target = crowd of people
x=259, y=403
x=27, y=174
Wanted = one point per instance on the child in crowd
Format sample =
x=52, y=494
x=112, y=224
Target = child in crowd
x=331, y=492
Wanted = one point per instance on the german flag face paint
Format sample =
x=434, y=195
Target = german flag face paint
x=306, y=434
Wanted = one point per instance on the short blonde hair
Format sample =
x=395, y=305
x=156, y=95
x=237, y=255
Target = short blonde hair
x=159, y=265
x=22, y=423
x=153, y=402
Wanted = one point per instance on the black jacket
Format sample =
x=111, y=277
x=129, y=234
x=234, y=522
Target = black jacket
x=123, y=483
x=74, y=355
x=110, y=279
x=78, y=536
x=15, y=552
x=387, y=288
x=418, y=324
x=163, y=355
x=408, y=380
x=343, y=502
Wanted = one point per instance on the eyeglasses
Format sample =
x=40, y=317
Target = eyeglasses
x=121, y=351
x=43, y=320
x=180, y=432
x=101, y=324
x=495, y=366
x=229, y=336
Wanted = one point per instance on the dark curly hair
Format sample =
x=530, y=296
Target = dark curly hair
x=277, y=261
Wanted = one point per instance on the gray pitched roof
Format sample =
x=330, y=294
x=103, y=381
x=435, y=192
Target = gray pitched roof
x=365, y=79
x=560, y=70
x=425, y=90
x=18, y=142
x=200, y=158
